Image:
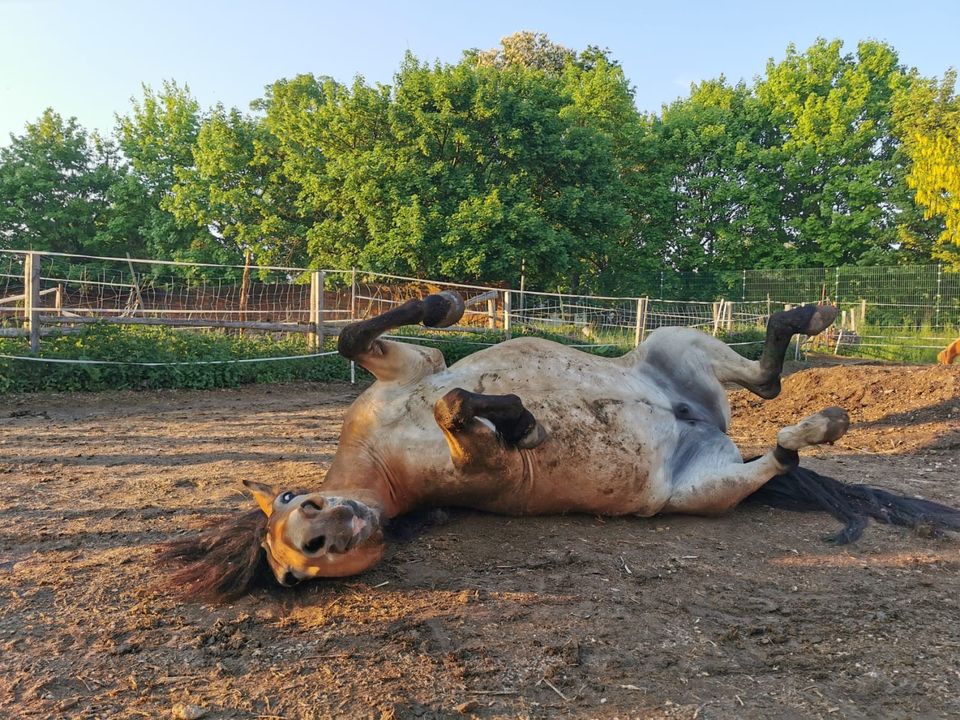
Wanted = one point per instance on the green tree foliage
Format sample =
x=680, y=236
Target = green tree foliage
x=803, y=169
x=157, y=138
x=711, y=144
x=832, y=115
x=463, y=171
x=929, y=116
x=531, y=50
x=54, y=183
x=529, y=154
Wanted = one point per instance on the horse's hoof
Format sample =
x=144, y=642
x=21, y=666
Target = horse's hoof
x=443, y=309
x=803, y=320
x=826, y=426
x=533, y=438
x=822, y=318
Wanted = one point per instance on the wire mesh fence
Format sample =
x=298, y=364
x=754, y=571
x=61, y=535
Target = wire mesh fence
x=902, y=313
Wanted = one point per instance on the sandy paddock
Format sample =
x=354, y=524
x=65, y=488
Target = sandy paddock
x=748, y=616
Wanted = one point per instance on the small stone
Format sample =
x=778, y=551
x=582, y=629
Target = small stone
x=182, y=711
x=468, y=706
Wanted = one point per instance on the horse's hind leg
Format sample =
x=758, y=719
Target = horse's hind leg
x=360, y=341
x=475, y=444
x=692, y=355
x=781, y=327
x=712, y=479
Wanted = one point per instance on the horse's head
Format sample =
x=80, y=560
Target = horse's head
x=314, y=535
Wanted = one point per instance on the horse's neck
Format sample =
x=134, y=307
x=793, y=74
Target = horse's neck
x=360, y=476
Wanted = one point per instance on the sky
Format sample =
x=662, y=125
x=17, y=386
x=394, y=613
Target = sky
x=88, y=58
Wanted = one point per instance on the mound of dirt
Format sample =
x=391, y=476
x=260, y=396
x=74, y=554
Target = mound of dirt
x=890, y=406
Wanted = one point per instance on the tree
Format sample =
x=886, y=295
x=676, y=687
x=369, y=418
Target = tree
x=490, y=165
x=928, y=114
x=237, y=191
x=157, y=139
x=531, y=50
x=838, y=174
x=54, y=182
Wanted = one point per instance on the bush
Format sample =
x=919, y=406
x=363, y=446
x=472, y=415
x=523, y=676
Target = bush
x=158, y=344
x=134, y=343
x=747, y=341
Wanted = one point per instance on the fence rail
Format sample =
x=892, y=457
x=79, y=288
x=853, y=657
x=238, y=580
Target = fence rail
x=46, y=293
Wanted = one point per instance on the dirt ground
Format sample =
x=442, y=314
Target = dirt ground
x=748, y=616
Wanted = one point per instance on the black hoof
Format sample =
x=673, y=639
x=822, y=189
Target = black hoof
x=532, y=439
x=806, y=320
x=443, y=309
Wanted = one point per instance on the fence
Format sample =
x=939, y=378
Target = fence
x=883, y=309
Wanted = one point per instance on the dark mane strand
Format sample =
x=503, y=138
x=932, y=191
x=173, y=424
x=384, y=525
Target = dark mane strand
x=222, y=562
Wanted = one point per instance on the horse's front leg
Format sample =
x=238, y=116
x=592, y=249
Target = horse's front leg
x=389, y=361
x=480, y=428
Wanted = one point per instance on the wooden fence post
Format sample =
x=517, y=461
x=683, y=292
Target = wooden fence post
x=506, y=314
x=136, y=284
x=244, y=287
x=641, y=330
x=718, y=312
x=492, y=314
x=353, y=294
x=31, y=299
x=315, y=337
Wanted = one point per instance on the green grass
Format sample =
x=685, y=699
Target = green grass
x=900, y=344
x=158, y=344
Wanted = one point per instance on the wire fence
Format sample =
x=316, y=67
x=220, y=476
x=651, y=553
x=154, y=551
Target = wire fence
x=902, y=313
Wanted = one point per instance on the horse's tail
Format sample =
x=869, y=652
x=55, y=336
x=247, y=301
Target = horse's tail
x=804, y=490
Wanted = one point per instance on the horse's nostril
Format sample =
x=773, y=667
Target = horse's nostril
x=315, y=544
x=289, y=579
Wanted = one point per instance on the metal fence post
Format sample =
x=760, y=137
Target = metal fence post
x=31, y=299
x=936, y=311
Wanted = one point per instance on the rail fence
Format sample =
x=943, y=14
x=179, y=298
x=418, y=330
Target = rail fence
x=883, y=309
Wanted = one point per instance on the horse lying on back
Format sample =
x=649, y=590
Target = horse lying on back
x=533, y=427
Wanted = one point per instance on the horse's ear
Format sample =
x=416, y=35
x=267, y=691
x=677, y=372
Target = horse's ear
x=263, y=494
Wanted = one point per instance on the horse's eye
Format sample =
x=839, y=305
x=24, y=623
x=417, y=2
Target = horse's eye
x=287, y=497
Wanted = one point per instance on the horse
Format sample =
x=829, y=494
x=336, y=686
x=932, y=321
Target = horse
x=533, y=427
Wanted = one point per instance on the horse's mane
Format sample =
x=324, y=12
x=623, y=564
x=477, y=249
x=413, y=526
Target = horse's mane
x=222, y=562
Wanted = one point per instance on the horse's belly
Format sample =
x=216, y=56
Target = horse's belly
x=606, y=456
x=610, y=434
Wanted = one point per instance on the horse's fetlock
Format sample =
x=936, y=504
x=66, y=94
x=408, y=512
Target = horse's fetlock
x=786, y=457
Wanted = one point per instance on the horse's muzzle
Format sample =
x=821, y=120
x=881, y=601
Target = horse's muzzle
x=334, y=525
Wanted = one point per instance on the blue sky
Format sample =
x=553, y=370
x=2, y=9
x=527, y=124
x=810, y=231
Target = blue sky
x=86, y=58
